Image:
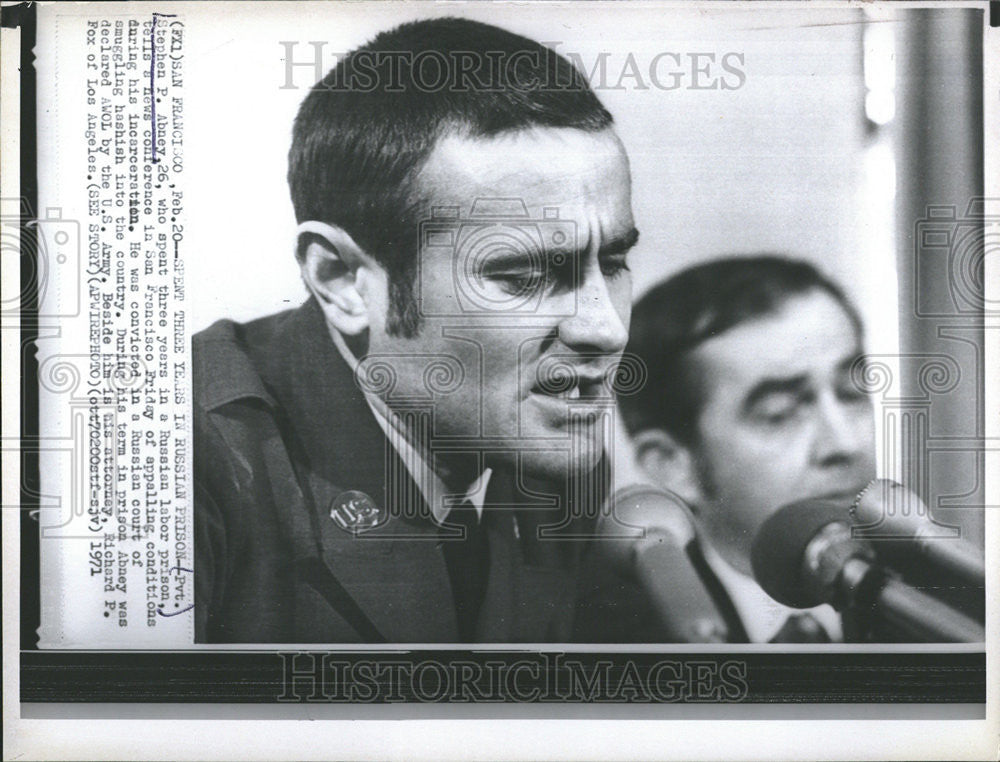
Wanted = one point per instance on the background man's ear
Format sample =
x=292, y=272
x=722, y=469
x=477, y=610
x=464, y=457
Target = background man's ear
x=338, y=273
x=669, y=464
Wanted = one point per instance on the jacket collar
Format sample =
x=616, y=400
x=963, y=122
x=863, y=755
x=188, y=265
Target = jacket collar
x=394, y=572
x=314, y=387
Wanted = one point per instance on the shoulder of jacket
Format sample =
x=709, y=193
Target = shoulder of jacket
x=223, y=369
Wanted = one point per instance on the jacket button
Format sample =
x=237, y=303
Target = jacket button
x=356, y=512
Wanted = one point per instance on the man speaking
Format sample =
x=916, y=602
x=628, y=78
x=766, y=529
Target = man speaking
x=383, y=463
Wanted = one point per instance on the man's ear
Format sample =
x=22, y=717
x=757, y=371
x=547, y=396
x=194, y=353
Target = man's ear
x=338, y=273
x=669, y=464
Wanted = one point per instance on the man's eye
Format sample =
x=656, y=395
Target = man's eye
x=612, y=266
x=518, y=282
x=778, y=418
x=777, y=410
x=849, y=392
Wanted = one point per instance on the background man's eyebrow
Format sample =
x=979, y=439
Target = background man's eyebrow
x=790, y=385
x=619, y=245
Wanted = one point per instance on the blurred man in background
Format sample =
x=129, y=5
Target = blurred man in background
x=750, y=405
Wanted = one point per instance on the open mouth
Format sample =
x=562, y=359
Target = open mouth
x=572, y=389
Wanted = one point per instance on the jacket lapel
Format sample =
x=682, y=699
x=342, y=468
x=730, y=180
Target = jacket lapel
x=394, y=572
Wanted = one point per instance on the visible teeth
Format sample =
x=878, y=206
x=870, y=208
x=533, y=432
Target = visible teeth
x=573, y=393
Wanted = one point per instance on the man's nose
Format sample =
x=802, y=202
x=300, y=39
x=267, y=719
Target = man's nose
x=840, y=433
x=594, y=322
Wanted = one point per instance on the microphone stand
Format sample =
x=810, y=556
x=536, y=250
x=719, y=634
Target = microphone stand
x=874, y=596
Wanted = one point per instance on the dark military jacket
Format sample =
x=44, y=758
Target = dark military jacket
x=282, y=435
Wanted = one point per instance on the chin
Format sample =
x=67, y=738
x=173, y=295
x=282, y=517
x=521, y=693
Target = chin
x=557, y=464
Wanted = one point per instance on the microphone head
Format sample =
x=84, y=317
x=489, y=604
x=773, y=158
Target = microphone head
x=887, y=510
x=780, y=546
x=905, y=533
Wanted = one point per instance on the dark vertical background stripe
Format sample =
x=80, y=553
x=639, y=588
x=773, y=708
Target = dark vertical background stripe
x=23, y=17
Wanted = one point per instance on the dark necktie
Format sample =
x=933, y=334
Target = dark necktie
x=468, y=562
x=801, y=628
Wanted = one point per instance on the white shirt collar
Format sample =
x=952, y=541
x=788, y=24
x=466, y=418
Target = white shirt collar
x=431, y=486
x=762, y=616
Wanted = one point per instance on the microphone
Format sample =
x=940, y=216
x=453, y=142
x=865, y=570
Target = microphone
x=654, y=542
x=886, y=510
x=805, y=555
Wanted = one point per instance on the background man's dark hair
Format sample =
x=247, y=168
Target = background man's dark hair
x=677, y=315
x=366, y=129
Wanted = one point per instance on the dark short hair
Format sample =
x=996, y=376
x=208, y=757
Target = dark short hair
x=677, y=315
x=365, y=130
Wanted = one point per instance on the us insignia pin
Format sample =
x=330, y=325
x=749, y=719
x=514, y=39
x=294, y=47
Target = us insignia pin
x=356, y=512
